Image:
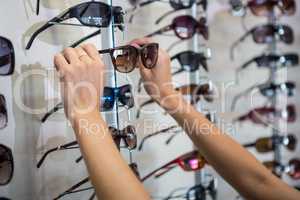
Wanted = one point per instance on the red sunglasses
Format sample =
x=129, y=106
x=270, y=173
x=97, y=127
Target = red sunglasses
x=191, y=161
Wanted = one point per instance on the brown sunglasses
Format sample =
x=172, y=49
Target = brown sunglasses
x=126, y=58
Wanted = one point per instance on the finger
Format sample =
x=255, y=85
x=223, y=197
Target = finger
x=91, y=50
x=141, y=41
x=59, y=61
x=71, y=55
x=83, y=56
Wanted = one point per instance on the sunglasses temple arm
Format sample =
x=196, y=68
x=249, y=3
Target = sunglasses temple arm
x=54, y=110
x=77, y=185
x=37, y=7
x=248, y=145
x=160, y=31
x=75, y=44
x=236, y=43
x=178, y=72
x=63, y=147
x=143, y=105
x=79, y=159
x=104, y=51
x=140, y=85
x=169, y=140
x=93, y=196
x=174, y=44
x=40, y=30
x=166, y=15
x=157, y=170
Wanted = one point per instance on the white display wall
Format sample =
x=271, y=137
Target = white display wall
x=29, y=138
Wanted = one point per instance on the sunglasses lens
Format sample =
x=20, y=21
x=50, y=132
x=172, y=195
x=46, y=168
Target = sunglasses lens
x=108, y=99
x=126, y=96
x=292, y=142
x=192, y=163
x=6, y=165
x=94, y=14
x=286, y=34
x=291, y=59
x=131, y=139
x=125, y=59
x=6, y=57
x=185, y=26
x=288, y=6
x=3, y=112
x=264, y=34
x=181, y=4
x=189, y=61
x=291, y=113
x=149, y=55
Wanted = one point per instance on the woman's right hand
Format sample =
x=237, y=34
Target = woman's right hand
x=158, y=80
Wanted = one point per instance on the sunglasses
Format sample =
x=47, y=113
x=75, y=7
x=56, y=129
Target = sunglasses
x=6, y=165
x=287, y=88
x=3, y=112
x=194, y=90
x=267, y=7
x=185, y=27
x=268, y=144
x=92, y=14
x=128, y=135
x=265, y=114
x=175, y=4
x=292, y=168
x=74, y=188
x=189, y=61
x=7, y=57
x=191, y=161
x=271, y=60
x=197, y=192
x=266, y=34
x=125, y=58
x=123, y=95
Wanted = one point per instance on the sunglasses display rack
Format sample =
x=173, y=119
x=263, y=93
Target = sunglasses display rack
x=283, y=114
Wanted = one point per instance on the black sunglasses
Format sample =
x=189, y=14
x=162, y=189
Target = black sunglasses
x=6, y=165
x=287, y=88
x=7, y=57
x=3, y=112
x=265, y=34
x=92, y=14
x=128, y=135
x=123, y=95
x=270, y=60
x=189, y=61
x=126, y=58
x=175, y=4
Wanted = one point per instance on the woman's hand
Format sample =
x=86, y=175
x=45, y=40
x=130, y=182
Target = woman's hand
x=81, y=75
x=157, y=81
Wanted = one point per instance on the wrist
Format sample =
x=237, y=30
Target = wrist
x=77, y=118
x=173, y=102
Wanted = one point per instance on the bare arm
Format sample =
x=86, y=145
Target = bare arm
x=235, y=164
x=81, y=71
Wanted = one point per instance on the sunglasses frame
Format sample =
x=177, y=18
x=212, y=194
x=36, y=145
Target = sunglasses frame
x=10, y=155
x=12, y=54
x=3, y=110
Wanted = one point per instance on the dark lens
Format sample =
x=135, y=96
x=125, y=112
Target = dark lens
x=291, y=113
x=285, y=33
x=289, y=88
x=130, y=139
x=6, y=57
x=266, y=60
x=290, y=59
x=108, y=99
x=184, y=26
x=288, y=6
x=202, y=28
x=6, y=165
x=149, y=55
x=261, y=8
x=125, y=59
x=189, y=60
x=181, y=4
x=125, y=96
x=292, y=142
x=3, y=112
x=94, y=14
x=264, y=34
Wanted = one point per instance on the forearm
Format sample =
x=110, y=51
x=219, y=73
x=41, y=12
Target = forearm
x=236, y=165
x=108, y=171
